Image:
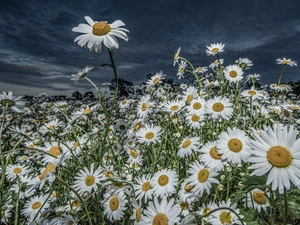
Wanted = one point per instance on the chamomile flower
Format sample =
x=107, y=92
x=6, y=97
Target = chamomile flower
x=252, y=94
x=190, y=93
x=14, y=102
x=285, y=62
x=14, y=171
x=50, y=126
x=176, y=56
x=233, y=73
x=211, y=157
x=95, y=33
x=188, y=146
x=197, y=106
x=149, y=134
x=173, y=106
x=86, y=180
x=201, y=70
x=233, y=145
x=143, y=189
x=144, y=106
x=202, y=178
x=244, y=63
x=81, y=74
x=214, y=49
x=257, y=199
x=162, y=213
x=195, y=121
x=164, y=182
x=276, y=153
x=216, y=63
x=114, y=205
x=185, y=191
x=157, y=78
x=181, y=69
x=219, y=108
x=34, y=205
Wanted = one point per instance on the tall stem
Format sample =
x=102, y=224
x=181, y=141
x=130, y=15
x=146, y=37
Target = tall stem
x=279, y=80
x=285, y=207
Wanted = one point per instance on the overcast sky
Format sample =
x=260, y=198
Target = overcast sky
x=38, y=53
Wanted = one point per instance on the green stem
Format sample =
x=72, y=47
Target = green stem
x=279, y=80
x=1, y=157
x=79, y=197
x=285, y=207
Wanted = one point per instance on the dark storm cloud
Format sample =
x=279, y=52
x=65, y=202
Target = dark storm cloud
x=38, y=50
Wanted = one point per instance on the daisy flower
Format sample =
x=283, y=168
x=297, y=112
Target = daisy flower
x=51, y=126
x=95, y=33
x=137, y=212
x=195, y=121
x=244, y=63
x=190, y=93
x=225, y=216
x=13, y=171
x=13, y=102
x=206, y=208
x=181, y=69
x=81, y=74
x=164, y=182
x=210, y=156
x=216, y=63
x=87, y=180
x=173, y=105
x=214, y=49
x=143, y=189
x=252, y=94
x=54, y=150
x=144, y=106
x=176, y=56
x=253, y=77
x=285, y=62
x=201, y=69
x=134, y=156
x=157, y=78
x=34, y=205
x=219, y=108
x=202, y=178
x=187, y=146
x=197, y=106
x=149, y=134
x=114, y=205
x=233, y=73
x=233, y=145
x=257, y=199
x=163, y=213
x=283, y=87
x=185, y=191
x=276, y=152
x=67, y=220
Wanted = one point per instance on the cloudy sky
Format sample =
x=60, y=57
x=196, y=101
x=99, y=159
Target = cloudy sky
x=38, y=53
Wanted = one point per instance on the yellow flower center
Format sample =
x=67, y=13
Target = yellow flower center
x=31, y=146
x=70, y=223
x=48, y=169
x=149, y=135
x=251, y=92
x=259, y=197
x=124, y=102
x=89, y=180
x=279, y=156
x=286, y=62
x=184, y=205
x=188, y=188
x=233, y=73
x=186, y=143
x=86, y=111
x=197, y=105
x=235, y=145
x=36, y=205
x=203, y=175
x=218, y=107
x=108, y=174
x=144, y=106
x=286, y=113
x=214, y=154
x=215, y=50
x=138, y=214
x=17, y=170
x=146, y=186
x=282, y=85
x=206, y=210
x=25, y=158
x=54, y=150
x=174, y=107
x=138, y=126
x=156, y=80
x=189, y=97
x=163, y=180
x=176, y=56
x=75, y=145
x=225, y=217
x=114, y=203
x=160, y=219
x=75, y=203
x=133, y=153
x=101, y=28
x=51, y=127
x=195, y=118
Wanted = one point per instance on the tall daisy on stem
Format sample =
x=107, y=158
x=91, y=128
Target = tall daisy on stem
x=94, y=35
x=285, y=62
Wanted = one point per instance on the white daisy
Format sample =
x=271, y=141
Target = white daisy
x=233, y=145
x=276, y=152
x=14, y=171
x=285, y=61
x=114, y=205
x=164, y=182
x=233, y=73
x=81, y=74
x=149, y=134
x=214, y=49
x=257, y=199
x=34, y=205
x=157, y=78
x=95, y=33
x=195, y=121
x=176, y=56
x=202, y=178
x=143, y=190
x=211, y=157
x=144, y=106
x=173, y=105
x=188, y=146
x=14, y=102
x=190, y=93
x=197, y=106
x=87, y=180
x=219, y=108
x=162, y=213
